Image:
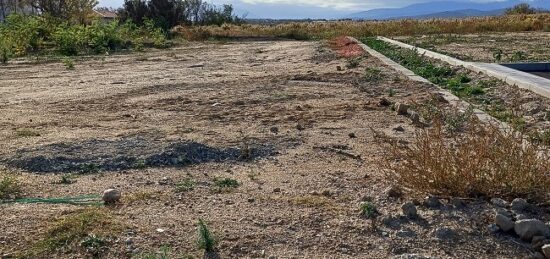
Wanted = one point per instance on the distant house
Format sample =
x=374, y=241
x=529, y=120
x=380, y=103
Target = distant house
x=7, y=8
x=105, y=15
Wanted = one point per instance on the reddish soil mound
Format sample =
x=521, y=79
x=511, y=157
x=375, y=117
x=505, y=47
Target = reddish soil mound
x=346, y=47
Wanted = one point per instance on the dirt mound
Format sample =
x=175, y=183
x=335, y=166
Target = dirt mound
x=346, y=47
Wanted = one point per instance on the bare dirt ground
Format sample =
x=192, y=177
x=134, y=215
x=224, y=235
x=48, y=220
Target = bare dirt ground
x=513, y=47
x=275, y=115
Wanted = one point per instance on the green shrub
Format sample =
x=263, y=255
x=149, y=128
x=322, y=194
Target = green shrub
x=9, y=187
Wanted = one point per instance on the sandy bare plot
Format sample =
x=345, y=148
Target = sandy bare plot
x=275, y=115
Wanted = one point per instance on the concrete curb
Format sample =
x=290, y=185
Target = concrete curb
x=448, y=96
x=535, y=84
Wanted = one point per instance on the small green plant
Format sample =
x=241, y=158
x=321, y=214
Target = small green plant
x=391, y=92
x=373, y=74
x=89, y=168
x=27, y=133
x=368, y=210
x=353, y=63
x=518, y=56
x=185, y=185
x=205, y=239
x=140, y=164
x=226, y=183
x=66, y=179
x=497, y=55
x=93, y=244
x=10, y=187
x=68, y=63
x=163, y=253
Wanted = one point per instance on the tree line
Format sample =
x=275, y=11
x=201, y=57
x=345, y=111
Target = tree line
x=164, y=13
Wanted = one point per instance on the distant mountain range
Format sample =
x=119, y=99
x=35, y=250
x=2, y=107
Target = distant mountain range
x=445, y=9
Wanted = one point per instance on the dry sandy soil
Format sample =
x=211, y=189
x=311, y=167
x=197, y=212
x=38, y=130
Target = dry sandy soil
x=275, y=115
x=534, y=46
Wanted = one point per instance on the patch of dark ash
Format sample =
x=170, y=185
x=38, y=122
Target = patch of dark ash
x=127, y=153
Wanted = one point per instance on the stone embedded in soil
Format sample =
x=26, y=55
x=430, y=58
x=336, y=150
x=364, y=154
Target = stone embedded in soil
x=401, y=108
x=394, y=191
x=499, y=202
x=399, y=129
x=111, y=196
x=338, y=68
x=504, y=223
x=409, y=210
x=405, y=233
x=519, y=204
x=538, y=242
x=274, y=130
x=352, y=135
x=432, y=202
x=503, y=211
x=384, y=102
x=444, y=233
x=493, y=228
x=546, y=250
x=528, y=228
x=415, y=118
x=458, y=203
x=277, y=190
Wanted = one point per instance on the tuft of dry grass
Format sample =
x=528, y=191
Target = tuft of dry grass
x=10, y=187
x=73, y=232
x=331, y=29
x=482, y=161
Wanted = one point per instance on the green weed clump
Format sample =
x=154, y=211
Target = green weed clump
x=226, y=183
x=87, y=229
x=10, y=187
x=24, y=35
x=205, y=240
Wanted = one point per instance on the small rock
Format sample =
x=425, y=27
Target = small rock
x=394, y=191
x=539, y=255
x=251, y=200
x=409, y=210
x=300, y=126
x=505, y=223
x=499, y=202
x=111, y=196
x=538, y=242
x=411, y=256
x=399, y=129
x=493, y=228
x=405, y=233
x=519, y=204
x=444, y=233
x=338, y=68
x=546, y=250
x=274, y=130
x=526, y=229
x=401, y=108
x=384, y=102
x=432, y=202
x=522, y=216
x=390, y=221
x=505, y=212
x=458, y=203
x=414, y=117
x=352, y=135
x=277, y=190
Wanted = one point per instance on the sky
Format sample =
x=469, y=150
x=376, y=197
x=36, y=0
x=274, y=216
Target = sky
x=281, y=9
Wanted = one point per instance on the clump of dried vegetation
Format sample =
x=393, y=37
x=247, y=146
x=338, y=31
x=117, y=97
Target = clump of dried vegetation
x=87, y=229
x=327, y=30
x=10, y=187
x=479, y=161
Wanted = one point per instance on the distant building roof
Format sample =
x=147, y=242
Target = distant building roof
x=106, y=14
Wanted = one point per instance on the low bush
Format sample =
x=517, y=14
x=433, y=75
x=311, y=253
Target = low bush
x=10, y=187
x=483, y=161
x=23, y=35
